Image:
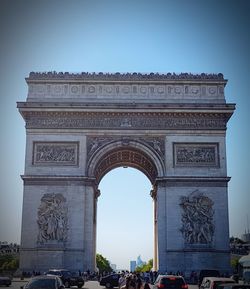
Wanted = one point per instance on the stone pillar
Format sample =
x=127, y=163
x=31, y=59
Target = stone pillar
x=89, y=228
x=153, y=194
x=161, y=227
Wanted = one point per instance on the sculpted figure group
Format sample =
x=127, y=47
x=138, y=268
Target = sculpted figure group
x=197, y=218
x=52, y=218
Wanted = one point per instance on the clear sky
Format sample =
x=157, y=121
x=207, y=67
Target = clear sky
x=123, y=36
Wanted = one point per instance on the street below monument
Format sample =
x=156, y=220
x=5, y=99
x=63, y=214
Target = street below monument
x=16, y=284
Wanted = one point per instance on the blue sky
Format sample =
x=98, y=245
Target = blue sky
x=125, y=36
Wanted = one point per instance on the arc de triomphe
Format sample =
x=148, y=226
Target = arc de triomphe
x=172, y=127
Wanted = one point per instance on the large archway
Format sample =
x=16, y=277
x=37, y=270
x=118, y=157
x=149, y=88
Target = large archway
x=125, y=217
x=141, y=154
x=171, y=127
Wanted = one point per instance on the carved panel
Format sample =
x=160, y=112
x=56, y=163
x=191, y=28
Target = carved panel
x=196, y=154
x=55, y=153
x=52, y=219
x=197, y=218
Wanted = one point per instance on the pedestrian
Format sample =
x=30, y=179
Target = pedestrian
x=146, y=285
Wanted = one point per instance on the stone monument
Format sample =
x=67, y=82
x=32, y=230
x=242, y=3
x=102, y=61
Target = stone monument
x=172, y=127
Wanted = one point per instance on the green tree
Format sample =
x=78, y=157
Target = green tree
x=9, y=262
x=145, y=267
x=235, y=263
x=102, y=264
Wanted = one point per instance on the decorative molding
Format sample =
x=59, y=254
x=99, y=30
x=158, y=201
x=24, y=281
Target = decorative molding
x=126, y=120
x=197, y=218
x=52, y=219
x=56, y=153
x=63, y=180
x=122, y=76
x=196, y=154
x=96, y=143
x=131, y=91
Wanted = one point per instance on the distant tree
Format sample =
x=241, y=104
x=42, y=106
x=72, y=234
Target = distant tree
x=102, y=264
x=235, y=263
x=145, y=267
x=9, y=262
x=236, y=240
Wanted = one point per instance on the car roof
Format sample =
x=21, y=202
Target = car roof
x=234, y=285
x=167, y=275
x=58, y=270
x=45, y=277
x=218, y=279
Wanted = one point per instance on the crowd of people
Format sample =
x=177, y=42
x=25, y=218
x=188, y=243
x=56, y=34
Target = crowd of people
x=133, y=281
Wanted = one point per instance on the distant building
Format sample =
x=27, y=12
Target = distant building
x=113, y=266
x=9, y=249
x=139, y=261
x=132, y=266
x=246, y=237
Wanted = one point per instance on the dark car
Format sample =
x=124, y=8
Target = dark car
x=233, y=286
x=170, y=282
x=6, y=281
x=44, y=282
x=207, y=273
x=68, y=278
x=110, y=281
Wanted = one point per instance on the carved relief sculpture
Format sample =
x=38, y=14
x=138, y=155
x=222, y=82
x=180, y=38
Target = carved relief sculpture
x=49, y=153
x=197, y=218
x=52, y=218
x=196, y=154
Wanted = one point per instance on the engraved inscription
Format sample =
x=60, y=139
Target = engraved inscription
x=197, y=218
x=193, y=154
x=52, y=219
x=55, y=153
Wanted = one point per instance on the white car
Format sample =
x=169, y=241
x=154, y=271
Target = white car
x=213, y=282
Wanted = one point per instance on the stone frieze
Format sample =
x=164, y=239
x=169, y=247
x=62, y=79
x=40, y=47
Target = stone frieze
x=126, y=91
x=125, y=121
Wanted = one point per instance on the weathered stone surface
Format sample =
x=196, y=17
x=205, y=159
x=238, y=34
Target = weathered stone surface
x=171, y=127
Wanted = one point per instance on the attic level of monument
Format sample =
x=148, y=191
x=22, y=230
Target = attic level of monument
x=126, y=88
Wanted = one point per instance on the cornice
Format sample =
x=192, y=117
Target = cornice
x=151, y=106
x=43, y=180
x=192, y=181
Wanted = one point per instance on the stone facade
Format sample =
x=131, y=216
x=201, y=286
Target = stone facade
x=171, y=127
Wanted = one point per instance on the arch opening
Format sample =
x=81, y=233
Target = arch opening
x=125, y=212
x=117, y=155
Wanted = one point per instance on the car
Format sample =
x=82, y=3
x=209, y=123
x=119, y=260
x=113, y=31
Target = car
x=6, y=281
x=213, y=282
x=68, y=278
x=207, y=273
x=110, y=281
x=233, y=286
x=170, y=282
x=246, y=277
x=44, y=282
